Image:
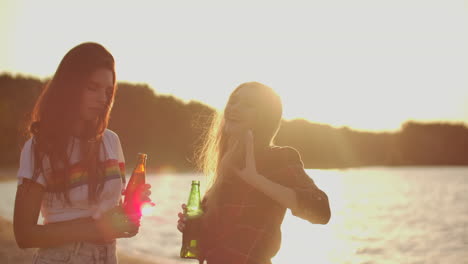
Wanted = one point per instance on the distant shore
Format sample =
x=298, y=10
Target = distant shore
x=8, y=174
x=11, y=254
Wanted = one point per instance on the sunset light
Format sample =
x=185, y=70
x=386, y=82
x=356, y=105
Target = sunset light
x=147, y=209
x=258, y=131
x=354, y=66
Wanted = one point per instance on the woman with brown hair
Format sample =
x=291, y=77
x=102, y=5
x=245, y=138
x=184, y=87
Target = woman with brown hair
x=251, y=181
x=72, y=168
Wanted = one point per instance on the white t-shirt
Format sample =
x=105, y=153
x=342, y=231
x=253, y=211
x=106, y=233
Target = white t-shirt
x=57, y=210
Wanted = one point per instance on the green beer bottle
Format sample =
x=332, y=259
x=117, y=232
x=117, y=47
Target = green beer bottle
x=191, y=235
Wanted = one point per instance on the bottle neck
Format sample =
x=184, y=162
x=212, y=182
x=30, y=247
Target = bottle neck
x=141, y=164
x=194, y=202
x=194, y=198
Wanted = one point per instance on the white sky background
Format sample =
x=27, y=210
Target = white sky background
x=369, y=65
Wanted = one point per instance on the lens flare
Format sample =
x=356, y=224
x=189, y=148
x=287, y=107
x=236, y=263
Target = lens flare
x=147, y=209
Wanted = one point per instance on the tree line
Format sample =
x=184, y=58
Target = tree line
x=169, y=131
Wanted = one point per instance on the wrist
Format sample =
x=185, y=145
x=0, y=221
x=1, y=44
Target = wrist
x=104, y=231
x=258, y=181
x=107, y=223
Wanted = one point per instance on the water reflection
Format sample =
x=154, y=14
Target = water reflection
x=379, y=215
x=382, y=215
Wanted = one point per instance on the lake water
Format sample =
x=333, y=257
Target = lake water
x=379, y=215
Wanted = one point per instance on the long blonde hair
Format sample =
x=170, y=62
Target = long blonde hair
x=268, y=118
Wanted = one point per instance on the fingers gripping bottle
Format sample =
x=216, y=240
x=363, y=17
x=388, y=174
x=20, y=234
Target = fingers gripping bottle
x=192, y=231
x=132, y=202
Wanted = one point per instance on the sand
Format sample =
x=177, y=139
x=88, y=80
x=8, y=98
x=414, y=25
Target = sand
x=11, y=254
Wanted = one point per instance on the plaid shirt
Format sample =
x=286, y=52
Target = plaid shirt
x=245, y=226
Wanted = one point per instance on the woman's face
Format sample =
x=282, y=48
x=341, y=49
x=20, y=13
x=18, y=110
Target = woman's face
x=97, y=91
x=240, y=112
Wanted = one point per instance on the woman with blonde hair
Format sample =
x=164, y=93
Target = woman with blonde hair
x=252, y=182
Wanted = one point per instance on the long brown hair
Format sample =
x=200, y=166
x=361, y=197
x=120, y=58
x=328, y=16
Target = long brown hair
x=268, y=110
x=57, y=110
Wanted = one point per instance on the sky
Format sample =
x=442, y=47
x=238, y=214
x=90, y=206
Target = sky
x=367, y=64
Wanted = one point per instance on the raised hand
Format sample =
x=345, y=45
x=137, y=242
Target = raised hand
x=145, y=194
x=249, y=172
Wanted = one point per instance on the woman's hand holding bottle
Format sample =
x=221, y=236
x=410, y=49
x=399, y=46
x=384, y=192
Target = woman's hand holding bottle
x=182, y=219
x=115, y=223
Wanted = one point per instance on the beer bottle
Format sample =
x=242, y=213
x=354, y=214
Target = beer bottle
x=132, y=202
x=191, y=235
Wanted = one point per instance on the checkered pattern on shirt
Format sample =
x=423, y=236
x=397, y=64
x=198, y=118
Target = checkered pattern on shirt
x=245, y=228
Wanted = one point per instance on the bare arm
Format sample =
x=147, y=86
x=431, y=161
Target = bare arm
x=297, y=191
x=283, y=195
x=29, y=234
x=314, y=207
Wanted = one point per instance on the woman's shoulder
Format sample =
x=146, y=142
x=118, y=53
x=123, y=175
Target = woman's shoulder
x=110, y=136
x=285, y=155
x=111, y=139
x=110, y=133
x=112, y=144
x=29, y=141
x=28, y=144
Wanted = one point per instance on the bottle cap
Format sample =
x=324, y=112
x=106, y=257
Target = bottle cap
x=142, y=155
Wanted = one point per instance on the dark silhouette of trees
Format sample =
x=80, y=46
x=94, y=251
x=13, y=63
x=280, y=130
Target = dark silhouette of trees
x=323, y=146
x=17, y=98
x=168, y=130
x=433, y=144
x=162, y=126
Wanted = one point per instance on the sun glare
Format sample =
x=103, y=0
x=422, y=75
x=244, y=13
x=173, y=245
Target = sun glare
x=316, y=240
x=147, y=209
x=328, y=67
